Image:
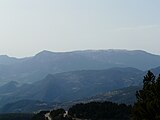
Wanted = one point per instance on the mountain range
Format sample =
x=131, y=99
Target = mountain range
x=88, y=75
x=74, y=85
x=35, y=68
x=114, y=84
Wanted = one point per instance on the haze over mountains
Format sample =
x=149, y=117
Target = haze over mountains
x=29, y=70
x=69, y=76
x=75, y=85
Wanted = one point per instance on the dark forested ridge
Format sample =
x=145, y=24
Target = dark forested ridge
x=90, y=111
x=100, y=111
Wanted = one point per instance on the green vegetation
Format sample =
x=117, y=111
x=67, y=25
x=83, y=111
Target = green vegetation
x=54, y=115
x=40, y=115
x=92, y=111
x=59, y=115
x=100, y=111
x=148, y=99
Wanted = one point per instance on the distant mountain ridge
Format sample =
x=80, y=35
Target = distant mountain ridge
x=7, y=60
x=29, y=70
x=75, y=85
x=114, y=84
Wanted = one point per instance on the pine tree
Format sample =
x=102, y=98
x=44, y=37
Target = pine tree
x=148, y=99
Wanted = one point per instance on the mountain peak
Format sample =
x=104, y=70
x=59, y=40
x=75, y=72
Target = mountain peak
x=44, y=53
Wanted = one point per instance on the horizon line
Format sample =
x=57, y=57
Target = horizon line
x=79, y=50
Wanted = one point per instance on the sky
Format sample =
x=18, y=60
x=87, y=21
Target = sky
x=30, y=26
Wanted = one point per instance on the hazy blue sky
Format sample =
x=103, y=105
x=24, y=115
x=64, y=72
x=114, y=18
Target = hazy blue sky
x=29, y=26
